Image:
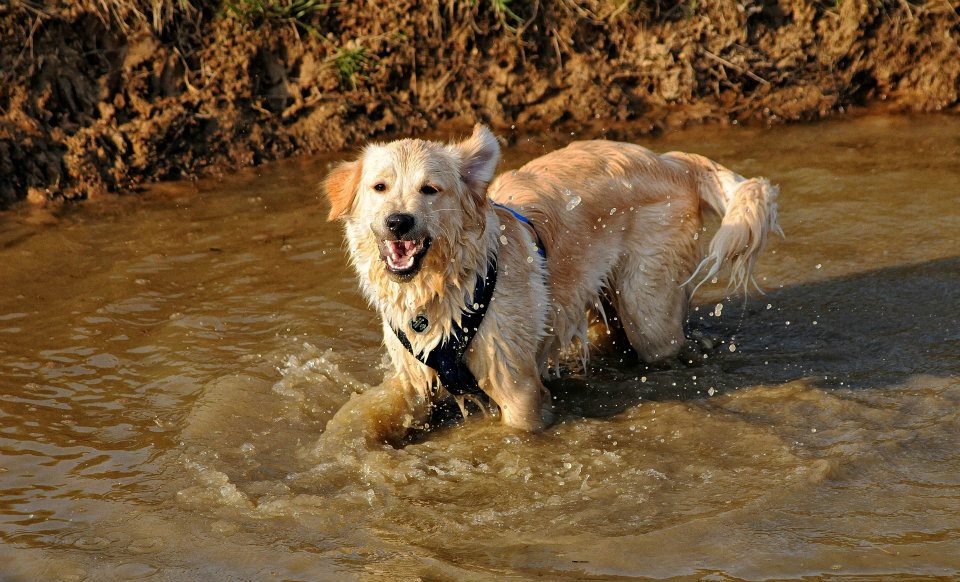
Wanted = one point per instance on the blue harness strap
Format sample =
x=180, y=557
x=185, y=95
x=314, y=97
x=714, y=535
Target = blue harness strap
x=542, y=250
x=449, y=358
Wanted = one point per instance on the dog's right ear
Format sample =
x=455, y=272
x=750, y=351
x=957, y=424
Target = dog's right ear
x=341, y=187
x=479, y=155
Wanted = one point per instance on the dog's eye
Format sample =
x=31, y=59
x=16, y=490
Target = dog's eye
x=380, y=187
x=428, y=189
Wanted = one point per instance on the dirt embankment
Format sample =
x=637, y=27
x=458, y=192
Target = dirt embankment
x=99, y=95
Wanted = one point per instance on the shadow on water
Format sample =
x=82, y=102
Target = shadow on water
x=871, y=330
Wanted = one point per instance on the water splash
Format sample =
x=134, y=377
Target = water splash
x=304, y=368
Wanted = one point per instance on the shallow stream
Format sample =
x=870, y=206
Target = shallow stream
x=169, y=360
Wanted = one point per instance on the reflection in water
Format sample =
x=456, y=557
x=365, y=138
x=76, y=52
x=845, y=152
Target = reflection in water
x=168, y=364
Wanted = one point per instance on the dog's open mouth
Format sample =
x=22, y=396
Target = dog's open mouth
x=403, y=257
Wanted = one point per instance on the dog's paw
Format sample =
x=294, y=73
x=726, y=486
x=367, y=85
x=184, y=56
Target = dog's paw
x=698, y=347
x=704, y=341
x=547, y=414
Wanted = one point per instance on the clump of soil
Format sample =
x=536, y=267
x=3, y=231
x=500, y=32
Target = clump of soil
x=100, y=95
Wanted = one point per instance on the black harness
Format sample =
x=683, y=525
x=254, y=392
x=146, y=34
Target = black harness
x=448, y=359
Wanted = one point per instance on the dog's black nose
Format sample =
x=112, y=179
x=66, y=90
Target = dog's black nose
x=400, y=224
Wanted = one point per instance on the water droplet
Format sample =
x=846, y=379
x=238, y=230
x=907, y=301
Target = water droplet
x=711, y=391
x=819, y=265
x=717, y=309
x=503, y=239
x=613, y=211
x=529, y=259
x=732, y=348
x=574, y=199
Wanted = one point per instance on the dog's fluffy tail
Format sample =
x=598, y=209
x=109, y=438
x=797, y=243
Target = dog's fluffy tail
x=748, y=209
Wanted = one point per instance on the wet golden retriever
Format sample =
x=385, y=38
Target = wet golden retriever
x=615, y=220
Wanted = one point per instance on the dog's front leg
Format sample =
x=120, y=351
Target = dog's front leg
x=411, y=379
x=385, y=413
x=514, y=384
x=524, y=401
x=382, y=414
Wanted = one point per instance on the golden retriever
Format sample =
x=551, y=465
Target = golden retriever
x=615, y=221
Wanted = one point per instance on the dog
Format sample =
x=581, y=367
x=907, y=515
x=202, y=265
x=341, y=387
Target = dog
x=486, y=285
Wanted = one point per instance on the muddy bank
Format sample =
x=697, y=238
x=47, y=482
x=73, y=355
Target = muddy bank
x=100, y=96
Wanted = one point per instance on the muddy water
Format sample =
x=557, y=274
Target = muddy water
x=168, y=363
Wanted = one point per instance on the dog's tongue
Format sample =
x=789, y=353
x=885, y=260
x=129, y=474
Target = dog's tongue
x=400, y=253
x=400, y=249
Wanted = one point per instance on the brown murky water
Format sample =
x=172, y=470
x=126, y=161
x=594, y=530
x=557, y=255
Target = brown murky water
x=168, y=362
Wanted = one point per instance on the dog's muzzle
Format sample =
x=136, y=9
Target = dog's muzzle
x=402, y=245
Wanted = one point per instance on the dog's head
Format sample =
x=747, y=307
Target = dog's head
x=412, y=200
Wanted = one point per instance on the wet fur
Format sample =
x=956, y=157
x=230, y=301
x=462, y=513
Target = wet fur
x=633, y=236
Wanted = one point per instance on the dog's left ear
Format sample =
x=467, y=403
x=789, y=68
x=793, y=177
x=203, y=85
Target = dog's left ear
x=341, y=186
x=479, y=155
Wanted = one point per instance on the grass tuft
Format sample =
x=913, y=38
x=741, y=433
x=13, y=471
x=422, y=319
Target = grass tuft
x=121, y=14
x=256, y=12
x=506, y=15
x=349, y=62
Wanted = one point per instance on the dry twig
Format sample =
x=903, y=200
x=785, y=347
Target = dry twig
x=740, y=69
